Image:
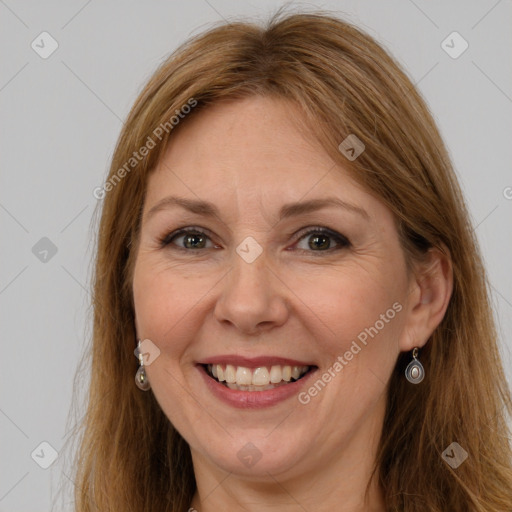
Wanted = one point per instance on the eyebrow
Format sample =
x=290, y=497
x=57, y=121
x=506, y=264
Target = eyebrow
x=207, y=209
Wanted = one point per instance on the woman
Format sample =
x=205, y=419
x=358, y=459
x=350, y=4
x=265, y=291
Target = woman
x=285, y=249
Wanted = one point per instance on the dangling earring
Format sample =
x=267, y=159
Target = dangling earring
x=415, y=372
x=141, y=379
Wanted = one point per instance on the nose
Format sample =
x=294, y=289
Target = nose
x=253, y=298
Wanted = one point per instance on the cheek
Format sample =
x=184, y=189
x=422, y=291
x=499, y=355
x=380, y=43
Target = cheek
x=162, y=299
x=164, y=304
x=350, y=304
x=165, y=292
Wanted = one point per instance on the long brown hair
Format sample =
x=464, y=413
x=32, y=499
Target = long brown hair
x=131, y=457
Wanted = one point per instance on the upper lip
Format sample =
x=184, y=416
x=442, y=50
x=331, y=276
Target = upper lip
x=253, y=362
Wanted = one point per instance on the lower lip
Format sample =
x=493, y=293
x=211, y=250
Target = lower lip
x=253, y=399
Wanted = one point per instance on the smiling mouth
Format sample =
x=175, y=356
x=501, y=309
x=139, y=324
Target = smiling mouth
x=261, y=378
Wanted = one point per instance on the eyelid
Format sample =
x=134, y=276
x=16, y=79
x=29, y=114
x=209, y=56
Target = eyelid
x=320, y=229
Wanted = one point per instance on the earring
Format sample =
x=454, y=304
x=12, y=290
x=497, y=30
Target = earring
x=415, y=372
x=141, y=379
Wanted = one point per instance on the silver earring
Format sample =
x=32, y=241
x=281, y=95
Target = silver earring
x=415, y=372
x=141, y=379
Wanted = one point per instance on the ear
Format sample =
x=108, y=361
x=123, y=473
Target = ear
x=430, y=290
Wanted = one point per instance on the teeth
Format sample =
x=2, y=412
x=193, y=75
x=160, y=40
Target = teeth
x=243, y=376
x=276, y=375
x=260, y=377
x=230, y=374
x=250, y=388
x=252, y=379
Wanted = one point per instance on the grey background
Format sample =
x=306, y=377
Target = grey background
x=60, y=118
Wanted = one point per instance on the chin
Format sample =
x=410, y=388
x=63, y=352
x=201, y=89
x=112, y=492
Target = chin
x=257, y=464
x=260, y=455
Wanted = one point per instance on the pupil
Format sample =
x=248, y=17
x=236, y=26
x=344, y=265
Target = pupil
x=191, y=238
x=314, y=244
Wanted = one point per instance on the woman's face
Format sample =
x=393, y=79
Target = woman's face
x=253, y=294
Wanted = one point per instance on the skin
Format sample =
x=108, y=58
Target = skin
x=249, y=157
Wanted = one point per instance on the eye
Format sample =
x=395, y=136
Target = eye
x=319, y=240
x=192, y=239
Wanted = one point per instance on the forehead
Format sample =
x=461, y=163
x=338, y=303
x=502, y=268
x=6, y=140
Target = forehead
x=254, y=145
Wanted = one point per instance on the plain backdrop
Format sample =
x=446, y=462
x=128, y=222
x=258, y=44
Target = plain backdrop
x=61, y=115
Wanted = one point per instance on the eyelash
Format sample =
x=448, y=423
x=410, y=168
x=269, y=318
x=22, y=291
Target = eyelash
x=342, y=241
